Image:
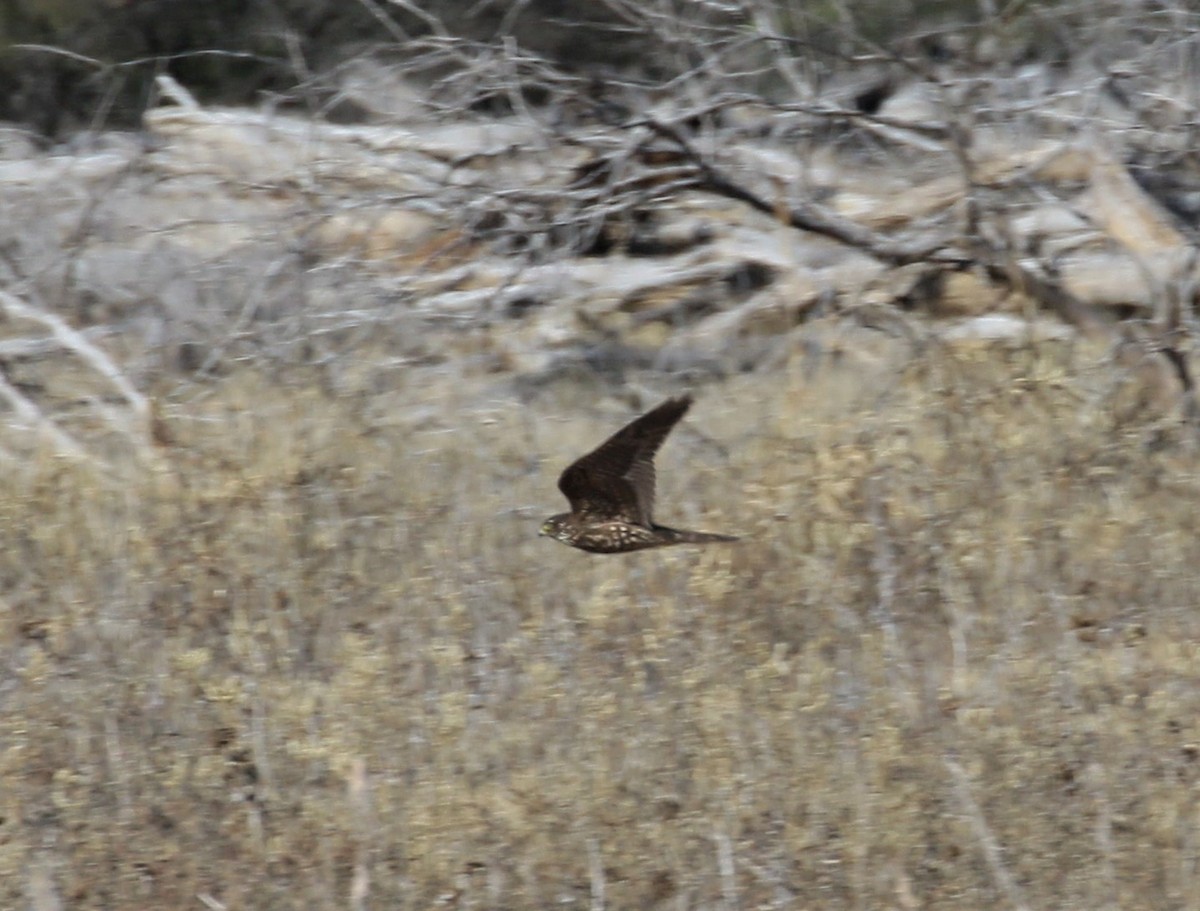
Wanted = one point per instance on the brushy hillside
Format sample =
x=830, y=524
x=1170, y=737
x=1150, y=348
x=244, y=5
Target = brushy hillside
x=311, y=653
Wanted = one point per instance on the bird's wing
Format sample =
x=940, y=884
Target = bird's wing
x=616, y=480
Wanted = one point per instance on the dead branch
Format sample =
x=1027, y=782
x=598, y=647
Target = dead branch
x=992, y=851
x=999, y=265
x=75, y=342
x=31, y=415
x=809, y=217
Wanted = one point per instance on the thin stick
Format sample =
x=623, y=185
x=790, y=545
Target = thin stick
x=30, y=413
x=727, y=869
x=987, y=841
x=76, y=342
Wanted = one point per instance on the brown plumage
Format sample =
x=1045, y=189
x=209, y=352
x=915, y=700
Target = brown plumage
x=611, y=491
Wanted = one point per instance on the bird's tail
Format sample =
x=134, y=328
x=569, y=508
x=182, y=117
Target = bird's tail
x=680, y=536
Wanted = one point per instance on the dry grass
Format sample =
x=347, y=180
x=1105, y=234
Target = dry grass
x=313, y=655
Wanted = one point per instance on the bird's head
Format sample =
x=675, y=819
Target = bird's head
x=555, y=527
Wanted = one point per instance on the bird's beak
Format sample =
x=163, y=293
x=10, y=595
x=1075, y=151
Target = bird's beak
x=544, y=531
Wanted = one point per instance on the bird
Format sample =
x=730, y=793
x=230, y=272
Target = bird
x=611, y=491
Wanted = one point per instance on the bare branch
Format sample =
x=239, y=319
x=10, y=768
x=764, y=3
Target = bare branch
x=992, y=852
x=29, y=413
x=75, y=342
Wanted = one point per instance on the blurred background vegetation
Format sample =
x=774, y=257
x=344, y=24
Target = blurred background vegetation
x=242, y=51
x=294, y=643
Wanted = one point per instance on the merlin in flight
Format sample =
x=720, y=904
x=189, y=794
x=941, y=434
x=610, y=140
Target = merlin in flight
x=611, y=491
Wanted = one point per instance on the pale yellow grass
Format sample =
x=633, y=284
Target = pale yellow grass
x=314, y=655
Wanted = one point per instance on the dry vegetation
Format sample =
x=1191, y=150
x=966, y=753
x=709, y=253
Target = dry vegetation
x=284, y=404
x=304, y=657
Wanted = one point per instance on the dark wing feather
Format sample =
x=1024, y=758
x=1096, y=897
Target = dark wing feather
x=616, y=480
